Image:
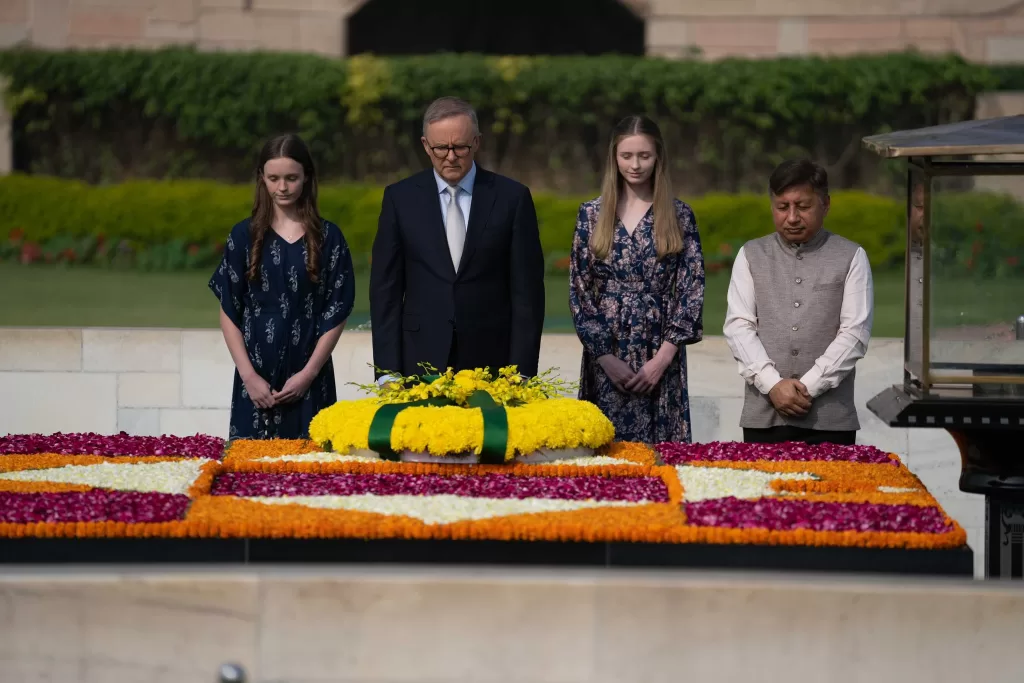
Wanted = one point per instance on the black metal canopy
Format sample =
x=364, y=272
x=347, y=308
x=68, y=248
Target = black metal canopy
x=1003, y=135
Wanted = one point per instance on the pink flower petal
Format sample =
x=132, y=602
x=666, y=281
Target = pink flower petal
x=92, y=506
x=198, y=446
x=476, y=486
x=787, y=515
x=679, y=453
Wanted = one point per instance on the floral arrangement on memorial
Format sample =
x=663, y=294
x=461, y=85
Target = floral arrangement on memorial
x=76, y=486
x=467, y=416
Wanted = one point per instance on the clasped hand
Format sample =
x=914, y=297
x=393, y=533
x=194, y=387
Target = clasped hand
x=790, y=397
x=264, y=397
x=625, y=380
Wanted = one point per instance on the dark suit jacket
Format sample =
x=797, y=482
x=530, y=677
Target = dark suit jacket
x=493, y=307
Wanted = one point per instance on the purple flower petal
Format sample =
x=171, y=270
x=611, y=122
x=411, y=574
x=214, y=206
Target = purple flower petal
x=92, y=506
x=198, y=446
x=787, y=515
x=679, y=453
x=475, y=486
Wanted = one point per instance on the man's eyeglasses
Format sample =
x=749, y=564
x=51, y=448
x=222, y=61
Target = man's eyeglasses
x=441, y=151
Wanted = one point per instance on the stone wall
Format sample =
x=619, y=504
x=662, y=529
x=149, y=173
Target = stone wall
x=983, y=30
x=418, y=625
x=150, y=382
x=293, y=25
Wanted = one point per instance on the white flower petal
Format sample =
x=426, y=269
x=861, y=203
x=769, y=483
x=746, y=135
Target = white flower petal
x=704, y=483
x=592, y=461
x=442, y=509
x=571, y=456
x=321, y=456
x=150, y=477
x=896, y=489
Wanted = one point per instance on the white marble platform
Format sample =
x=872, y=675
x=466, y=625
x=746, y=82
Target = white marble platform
x=150, y=382
x=414, y=624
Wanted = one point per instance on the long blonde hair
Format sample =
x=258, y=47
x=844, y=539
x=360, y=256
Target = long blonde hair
x=668, y=239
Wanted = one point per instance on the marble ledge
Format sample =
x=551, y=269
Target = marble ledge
x=117, y=350
x=40, y=350
x=46, y=402
x=310, y=624
x=148, y=390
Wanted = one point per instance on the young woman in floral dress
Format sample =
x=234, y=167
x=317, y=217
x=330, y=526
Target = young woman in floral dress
x=637, y=290
x=285, y=287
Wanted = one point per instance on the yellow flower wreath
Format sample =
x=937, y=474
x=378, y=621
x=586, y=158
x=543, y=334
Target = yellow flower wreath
x=537, y=417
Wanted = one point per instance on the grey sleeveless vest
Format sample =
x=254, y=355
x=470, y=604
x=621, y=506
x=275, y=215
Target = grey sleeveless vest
x=799, y=297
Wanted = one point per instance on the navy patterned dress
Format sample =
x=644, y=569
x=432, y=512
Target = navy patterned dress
x=282, y=315
x=627, y=305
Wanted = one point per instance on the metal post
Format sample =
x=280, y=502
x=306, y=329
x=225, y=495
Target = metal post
x=231, y=673
x=1020, y=327
x=1004, y=539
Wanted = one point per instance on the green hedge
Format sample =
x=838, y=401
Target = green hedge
x=60, y=213
x=185, y=222
x=178, y=113
x=1008, y=76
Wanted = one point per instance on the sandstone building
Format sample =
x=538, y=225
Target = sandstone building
x=981, y=30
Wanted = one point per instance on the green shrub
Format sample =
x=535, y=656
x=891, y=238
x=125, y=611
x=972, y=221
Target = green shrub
x=977, y=233
x=1008, y=76
x=109, y=115
x=180, y=224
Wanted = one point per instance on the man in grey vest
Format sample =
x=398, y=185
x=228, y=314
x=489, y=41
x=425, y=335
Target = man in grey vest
x=799, y=317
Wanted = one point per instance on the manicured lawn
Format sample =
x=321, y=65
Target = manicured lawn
x=86, y=297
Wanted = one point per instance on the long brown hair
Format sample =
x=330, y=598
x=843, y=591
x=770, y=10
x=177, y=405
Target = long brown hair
x=668, y=239
x=288, y=146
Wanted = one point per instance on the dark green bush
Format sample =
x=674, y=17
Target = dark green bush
x=178, y=113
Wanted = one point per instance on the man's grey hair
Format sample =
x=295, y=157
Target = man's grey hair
x=447, y=107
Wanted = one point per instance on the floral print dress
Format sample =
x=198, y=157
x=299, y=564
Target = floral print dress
x=627, y=305
x=282, y=315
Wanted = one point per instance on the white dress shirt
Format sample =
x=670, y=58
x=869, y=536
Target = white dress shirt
x=839, y=358
x=465, y=194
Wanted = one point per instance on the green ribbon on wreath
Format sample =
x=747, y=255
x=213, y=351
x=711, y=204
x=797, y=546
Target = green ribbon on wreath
x=495, y=441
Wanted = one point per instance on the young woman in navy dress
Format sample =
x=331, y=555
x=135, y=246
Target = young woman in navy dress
x=285, y=287
x=637, y=290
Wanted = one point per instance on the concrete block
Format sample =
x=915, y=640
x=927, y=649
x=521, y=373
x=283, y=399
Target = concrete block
x=207, y=370
x=148, y=390
x=47, y=402
x=190, y=421
x=139, y=421
x=40, y=349
x=131, y=350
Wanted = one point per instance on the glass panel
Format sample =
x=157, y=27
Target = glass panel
x=977, y=279
x=914, y=351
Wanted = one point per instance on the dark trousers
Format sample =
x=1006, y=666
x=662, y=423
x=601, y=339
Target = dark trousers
x=809, y=436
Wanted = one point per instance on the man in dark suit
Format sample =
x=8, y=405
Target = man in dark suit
x=457, y=278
